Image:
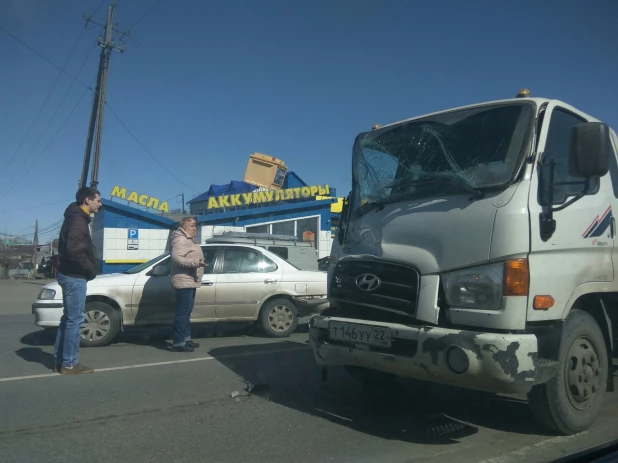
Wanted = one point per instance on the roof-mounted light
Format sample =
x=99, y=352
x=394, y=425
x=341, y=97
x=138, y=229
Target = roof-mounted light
x=523, y=93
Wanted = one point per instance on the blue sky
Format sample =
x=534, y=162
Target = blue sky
x=203, y=84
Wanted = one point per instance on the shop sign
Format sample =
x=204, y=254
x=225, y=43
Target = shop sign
x=268, y=196
x=143, y=200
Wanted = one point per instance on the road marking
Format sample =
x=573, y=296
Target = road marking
x=522, y=453
x=156, y=364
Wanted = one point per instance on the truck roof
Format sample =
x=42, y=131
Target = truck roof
x=538, y=101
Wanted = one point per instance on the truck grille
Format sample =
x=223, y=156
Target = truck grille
x=381, y=285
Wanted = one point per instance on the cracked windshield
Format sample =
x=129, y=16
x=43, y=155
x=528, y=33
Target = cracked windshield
x=470, y=150
x=308, y=232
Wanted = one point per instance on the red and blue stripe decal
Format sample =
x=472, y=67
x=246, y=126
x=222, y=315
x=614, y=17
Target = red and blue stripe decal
x=599, y=225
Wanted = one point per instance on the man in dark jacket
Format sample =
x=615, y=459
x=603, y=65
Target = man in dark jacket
x=77, y=266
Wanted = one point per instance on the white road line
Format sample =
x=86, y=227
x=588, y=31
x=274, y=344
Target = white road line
x=156, y=364
x=522, y=453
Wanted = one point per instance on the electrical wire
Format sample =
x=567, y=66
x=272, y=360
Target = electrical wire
x=51, y=119
x=145, y=14
x=146, y=149
x=50, y=142
x=34, y=207
x=43, y=57
x=40, y=111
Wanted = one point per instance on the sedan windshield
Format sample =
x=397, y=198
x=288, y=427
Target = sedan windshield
x=460, y=151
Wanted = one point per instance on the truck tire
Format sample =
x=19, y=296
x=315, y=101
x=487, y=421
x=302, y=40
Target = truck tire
x=279, y=318
x=570, y=402
x=101, y=325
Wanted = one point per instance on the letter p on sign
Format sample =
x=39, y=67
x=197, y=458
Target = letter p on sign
x=133, y=234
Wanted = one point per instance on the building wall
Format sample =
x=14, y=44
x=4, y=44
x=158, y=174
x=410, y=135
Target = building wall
x=111, y=232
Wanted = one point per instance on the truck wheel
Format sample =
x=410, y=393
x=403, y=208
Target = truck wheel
x=371, y=379
x=101, y=325
x=570, y=402
x=279, y=318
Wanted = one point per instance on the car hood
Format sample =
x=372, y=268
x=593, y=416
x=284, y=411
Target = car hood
x=435, y=235
x=101, y=281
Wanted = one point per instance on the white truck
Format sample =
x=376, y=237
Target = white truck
x=477, y=249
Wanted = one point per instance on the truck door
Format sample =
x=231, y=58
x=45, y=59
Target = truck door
x=580, y=250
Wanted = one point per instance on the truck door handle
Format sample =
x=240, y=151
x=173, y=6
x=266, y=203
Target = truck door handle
x=270, y=281
x=612, y=227
x=207, y=283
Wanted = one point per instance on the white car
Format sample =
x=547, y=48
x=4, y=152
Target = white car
x=241, y=283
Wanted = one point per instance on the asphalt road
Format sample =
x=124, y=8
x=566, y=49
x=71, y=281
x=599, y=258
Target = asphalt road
x=145, y=404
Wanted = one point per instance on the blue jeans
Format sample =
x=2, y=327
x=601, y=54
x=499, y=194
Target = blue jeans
x=66, y=349
x=185, y=299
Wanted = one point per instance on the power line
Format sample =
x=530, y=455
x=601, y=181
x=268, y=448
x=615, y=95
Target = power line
x=98, y=7
x=43, y=57
x=50, y=142
x=146, y=149
x=145, y=14
x=25, y=159
x=46, y=229
x=33, y=207
x=38, y=114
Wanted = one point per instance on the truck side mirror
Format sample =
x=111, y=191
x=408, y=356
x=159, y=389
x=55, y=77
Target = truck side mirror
x=589, y=150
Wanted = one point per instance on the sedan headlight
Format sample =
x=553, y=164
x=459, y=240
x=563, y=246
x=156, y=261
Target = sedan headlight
x=47, y=294
x=483, y=287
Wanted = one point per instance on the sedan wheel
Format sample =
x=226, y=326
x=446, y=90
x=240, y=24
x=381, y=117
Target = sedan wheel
x=101, y=325
x=279, y=318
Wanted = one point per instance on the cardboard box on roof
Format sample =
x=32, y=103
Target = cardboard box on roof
x=265, y=171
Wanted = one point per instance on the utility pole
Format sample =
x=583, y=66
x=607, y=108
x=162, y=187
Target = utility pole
x=35, y=245
x=98, y=102
x=184, y=211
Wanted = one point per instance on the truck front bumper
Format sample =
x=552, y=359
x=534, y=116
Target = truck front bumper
x=499, y=363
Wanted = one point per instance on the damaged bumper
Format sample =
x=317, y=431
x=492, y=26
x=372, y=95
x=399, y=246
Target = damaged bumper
x=308, y=305
x=500, y=363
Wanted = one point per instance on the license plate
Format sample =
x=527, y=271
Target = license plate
x=372, y=335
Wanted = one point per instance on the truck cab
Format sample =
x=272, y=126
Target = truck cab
x=476, y=249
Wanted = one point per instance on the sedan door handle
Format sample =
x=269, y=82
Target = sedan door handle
x=270, y=281
x=207, y=283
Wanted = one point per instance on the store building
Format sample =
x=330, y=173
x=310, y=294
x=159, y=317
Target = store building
x=133, y=228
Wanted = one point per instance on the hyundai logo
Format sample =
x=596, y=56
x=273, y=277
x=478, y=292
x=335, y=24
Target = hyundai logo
x=368, y=282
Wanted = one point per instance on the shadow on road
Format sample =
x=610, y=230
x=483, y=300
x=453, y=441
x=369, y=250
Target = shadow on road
x=409, y=411
x=155, y=336
x=36, y=355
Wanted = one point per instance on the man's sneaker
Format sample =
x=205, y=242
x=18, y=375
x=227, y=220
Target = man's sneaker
x=183, y=348
x=190, y=343
x=77, y=369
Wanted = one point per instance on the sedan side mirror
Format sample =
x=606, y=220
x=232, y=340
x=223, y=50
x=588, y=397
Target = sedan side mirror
x=160, y=270
x=589, y=150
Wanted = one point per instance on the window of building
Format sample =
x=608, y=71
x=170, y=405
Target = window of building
x=283, y=228
x=307, y=229
x=259, y=229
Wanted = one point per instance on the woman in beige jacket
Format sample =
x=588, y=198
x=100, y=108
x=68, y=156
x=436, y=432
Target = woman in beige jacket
x=187, y=270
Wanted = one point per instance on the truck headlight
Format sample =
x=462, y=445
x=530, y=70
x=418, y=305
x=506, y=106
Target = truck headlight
x=483, y=287
x=47, y=294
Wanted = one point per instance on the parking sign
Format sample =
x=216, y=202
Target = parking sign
x=133, y=234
